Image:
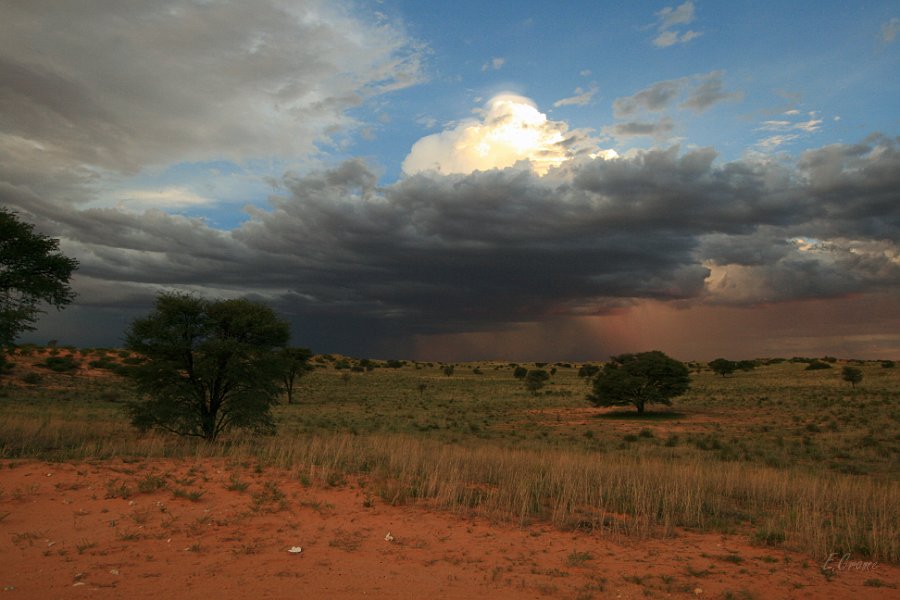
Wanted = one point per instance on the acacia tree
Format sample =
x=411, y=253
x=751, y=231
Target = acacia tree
x=723, y=366
x=640, y=379
x=33, y=272
x=209, y=366
x=852, y=375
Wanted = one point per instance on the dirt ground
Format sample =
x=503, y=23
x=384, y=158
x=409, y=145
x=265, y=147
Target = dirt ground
x=190, y=529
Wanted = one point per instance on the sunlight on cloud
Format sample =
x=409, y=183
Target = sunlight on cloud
x=166, y=198
x=511, y=129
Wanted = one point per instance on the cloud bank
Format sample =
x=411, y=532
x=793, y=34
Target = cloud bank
x=445, y=254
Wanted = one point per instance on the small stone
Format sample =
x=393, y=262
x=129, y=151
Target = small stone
x=295, y=549
x=113, y=571
x=77, y=583
x=698, y=591
x=389, y=537
x=8, y=588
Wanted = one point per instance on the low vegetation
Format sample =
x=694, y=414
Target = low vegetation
x=785, y=456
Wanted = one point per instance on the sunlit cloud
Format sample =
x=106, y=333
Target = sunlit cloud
x=511, y=129
x=166, y=198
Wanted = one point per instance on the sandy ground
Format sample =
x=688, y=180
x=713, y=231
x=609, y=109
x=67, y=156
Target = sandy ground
x=100, y=530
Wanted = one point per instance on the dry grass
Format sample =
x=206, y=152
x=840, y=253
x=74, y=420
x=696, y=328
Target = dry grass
x=649, y=486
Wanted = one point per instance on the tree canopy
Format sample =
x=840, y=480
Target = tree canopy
x=33, y=272
x=723, y=366
x=640, y=379
x=209, y=366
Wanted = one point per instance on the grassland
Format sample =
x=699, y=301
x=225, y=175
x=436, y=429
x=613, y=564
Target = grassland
x=786, y=456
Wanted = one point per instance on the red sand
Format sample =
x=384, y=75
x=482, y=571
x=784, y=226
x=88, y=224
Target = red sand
x=68, y=533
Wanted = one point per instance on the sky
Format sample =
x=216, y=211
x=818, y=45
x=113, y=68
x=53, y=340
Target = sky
x=514, y=180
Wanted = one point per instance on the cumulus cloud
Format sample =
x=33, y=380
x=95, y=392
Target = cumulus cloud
x=510, y=128
x=356, y=263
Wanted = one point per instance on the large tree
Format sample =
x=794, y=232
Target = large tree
x=33, y=273
x=640, y=379
x=209, y=366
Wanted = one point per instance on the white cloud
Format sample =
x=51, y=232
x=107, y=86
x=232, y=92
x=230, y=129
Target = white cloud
x=787, y=130
x=122, y=85
x=511, y=129
x=581, y=98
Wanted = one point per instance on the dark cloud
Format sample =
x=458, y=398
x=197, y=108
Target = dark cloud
x=348, y=260
x=659, y=129
x=654, y=98
x=699, y=92
x=710, y=90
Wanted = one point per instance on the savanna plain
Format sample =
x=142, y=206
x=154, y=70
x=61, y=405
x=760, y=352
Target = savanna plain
x=407, y=479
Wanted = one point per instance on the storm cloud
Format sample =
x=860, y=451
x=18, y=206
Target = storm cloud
x=443, y=254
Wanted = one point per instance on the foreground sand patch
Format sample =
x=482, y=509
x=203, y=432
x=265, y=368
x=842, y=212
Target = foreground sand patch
x=188, y=529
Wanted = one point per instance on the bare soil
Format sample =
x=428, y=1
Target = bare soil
x=188, y=529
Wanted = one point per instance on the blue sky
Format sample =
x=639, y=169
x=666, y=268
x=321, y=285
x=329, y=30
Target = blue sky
x=732, y=161
x=805, y=75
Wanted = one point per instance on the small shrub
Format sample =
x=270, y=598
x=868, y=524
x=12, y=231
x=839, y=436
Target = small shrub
x=32, y=378
x=817, y=365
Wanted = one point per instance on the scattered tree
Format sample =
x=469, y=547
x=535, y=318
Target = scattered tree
x=640, y=379
x=535, y=380
x=723, y=367
x=33, y=272
x=852, y=375
x=209, y=366
x=294, y=364
x=520, y=372
x=448, y=370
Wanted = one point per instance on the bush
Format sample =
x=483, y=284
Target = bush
x=817, y=365
x=588, y=370
x=535, y=380
x=32, y=378
x=61, y=364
